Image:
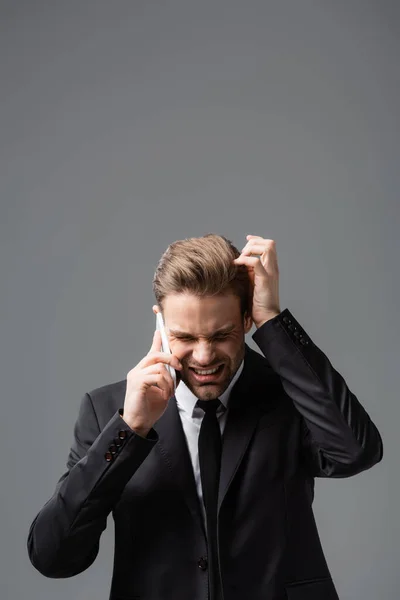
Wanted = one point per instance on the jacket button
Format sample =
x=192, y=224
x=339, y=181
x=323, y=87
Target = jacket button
x=113, y=449
x=122, y=434
x=203, y=563
x=108, y=456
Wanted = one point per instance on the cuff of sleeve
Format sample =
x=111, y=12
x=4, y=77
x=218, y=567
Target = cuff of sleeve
x=271, y=327
x=286, y=327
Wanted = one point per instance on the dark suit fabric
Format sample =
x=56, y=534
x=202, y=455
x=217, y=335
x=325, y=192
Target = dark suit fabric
x=291, y=418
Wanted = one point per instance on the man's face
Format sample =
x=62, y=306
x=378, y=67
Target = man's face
x=206, y=333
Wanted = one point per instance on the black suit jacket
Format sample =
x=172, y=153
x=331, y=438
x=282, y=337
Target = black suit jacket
x=291, y=418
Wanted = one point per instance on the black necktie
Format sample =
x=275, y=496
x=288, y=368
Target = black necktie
x=210, y=445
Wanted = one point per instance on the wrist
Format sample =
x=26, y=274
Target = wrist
x=139, y=428
x=266, y=318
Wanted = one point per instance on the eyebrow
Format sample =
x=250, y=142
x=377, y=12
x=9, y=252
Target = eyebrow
x=178, y=333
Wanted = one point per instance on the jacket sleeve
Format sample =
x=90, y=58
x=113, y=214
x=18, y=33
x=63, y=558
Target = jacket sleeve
x=338, y=437
x=64, y=537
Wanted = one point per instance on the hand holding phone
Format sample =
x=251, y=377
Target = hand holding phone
x=148, y=387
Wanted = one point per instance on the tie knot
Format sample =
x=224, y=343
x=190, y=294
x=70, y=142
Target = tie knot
x=209, y=406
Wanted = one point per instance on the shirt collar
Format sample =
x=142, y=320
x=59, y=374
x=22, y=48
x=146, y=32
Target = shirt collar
x=186, y=400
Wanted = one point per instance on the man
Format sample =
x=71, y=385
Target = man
x=198, y=515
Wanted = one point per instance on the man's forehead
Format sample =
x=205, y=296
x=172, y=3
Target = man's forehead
x=186, y=301
x=201, y=315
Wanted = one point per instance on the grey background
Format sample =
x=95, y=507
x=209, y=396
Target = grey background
x=128, y=125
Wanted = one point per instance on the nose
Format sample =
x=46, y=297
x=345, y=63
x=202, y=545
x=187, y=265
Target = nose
x=203, y=353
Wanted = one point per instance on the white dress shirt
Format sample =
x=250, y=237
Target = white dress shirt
x=192, y=416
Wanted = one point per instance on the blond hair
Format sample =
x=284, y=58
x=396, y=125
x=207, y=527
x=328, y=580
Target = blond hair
x=202, y=266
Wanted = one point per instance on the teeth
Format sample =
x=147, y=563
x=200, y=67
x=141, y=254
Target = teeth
x=210, y=372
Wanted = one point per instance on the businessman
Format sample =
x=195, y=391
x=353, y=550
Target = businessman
x=210, y=485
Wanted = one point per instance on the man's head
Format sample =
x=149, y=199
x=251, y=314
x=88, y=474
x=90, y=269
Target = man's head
x=205, y=301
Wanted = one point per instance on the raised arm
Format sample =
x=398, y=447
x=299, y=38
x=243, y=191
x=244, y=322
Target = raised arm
x=339, y=438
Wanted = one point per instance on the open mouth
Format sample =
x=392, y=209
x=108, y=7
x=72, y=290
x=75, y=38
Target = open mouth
x=207, y=375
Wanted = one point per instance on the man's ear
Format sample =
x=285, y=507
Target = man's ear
x=248, y=322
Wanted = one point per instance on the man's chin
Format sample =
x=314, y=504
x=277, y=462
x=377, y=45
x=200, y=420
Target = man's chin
x=207, y=391
x=209, y=395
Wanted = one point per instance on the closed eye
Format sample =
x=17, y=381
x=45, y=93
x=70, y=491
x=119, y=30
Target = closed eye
x=190, y=339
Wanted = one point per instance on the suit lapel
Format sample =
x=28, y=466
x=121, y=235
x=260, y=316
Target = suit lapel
x=244, y=413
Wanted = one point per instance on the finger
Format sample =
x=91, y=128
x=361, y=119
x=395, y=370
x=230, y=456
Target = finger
x=254, y=236
x=157, y=344
x=267, y=251
x=157, y=380
x=260, y=241
x=251, y=262
x=154, y=368
x=165, y=358
x=161, y=357
x=148, y=373
x=167, y=375
x=159, y=368
x=254, y=248
x=167, y=383
x=170, y=383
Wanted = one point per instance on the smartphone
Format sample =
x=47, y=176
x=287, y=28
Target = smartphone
x=165, y=345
